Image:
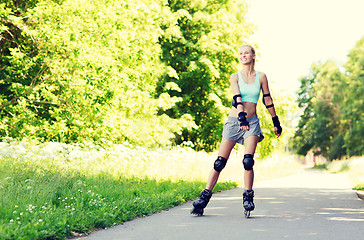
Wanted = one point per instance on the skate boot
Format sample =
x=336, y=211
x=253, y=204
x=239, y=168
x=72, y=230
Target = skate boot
x=248, y=203
x=201, y=203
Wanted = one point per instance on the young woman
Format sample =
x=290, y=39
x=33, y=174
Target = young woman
x=242, y=126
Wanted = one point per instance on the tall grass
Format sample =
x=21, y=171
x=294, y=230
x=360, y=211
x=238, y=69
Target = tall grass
x=56, y=190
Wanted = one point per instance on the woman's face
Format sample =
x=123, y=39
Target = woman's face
x=246, y=55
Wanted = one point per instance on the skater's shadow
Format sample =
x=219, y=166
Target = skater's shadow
x=206, y=215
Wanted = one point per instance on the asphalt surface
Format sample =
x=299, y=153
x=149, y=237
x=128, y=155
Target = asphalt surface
x=311, y=205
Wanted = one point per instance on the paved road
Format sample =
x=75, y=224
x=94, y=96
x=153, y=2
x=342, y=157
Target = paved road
x=311, y=205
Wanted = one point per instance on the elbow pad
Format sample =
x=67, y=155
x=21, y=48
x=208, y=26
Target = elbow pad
x=235, y=103
x=267, y=95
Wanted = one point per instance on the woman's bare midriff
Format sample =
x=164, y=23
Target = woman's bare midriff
x=249, y=108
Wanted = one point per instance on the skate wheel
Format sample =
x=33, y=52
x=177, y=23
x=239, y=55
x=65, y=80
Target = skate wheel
x=247, y=213
x=197, y=211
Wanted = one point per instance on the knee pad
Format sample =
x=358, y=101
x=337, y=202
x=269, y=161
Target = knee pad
x=248, y=162
x=219, y=164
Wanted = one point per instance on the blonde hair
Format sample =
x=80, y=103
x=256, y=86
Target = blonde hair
x=253, y=51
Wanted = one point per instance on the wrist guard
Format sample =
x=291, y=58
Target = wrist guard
x=242, y=119
x=277, y=124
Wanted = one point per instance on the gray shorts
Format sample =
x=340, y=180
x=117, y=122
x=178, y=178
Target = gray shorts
x=232, y=131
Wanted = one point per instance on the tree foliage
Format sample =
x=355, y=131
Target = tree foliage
x=201, y=52
x=331, y=123
x=85, y=71
x=151, y=73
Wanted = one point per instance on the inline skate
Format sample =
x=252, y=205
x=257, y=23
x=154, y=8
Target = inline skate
x=248, y=203
x=201, y=203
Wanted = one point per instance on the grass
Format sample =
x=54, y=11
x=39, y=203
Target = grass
x=320, y=167
x=57, y=191
x=359, y=187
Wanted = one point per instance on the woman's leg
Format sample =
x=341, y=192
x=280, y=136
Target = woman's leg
x=250, y=146
x=199, y=205
x=224, y=151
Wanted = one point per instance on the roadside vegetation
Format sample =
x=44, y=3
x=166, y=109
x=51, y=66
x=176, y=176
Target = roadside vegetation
x=57, y=190
x=353, y=167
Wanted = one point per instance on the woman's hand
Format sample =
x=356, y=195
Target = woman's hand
x=244, y=124
x=276, y=132
x=245, y=127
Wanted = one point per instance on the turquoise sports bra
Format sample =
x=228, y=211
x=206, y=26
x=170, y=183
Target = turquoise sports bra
x=249, y=92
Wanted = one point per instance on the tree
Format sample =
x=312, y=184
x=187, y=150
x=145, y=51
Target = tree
x=86, y=73
x=353, y=103
x=21, y=72
x=321, y=98
x=302, y=140
x=202, y=51
x=331, y=123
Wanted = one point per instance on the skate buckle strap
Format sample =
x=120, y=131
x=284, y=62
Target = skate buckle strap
x=206, y=194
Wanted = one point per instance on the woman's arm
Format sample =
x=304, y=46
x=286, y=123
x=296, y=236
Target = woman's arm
x=244, y=125
x=268, y=102
x=235, y=88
